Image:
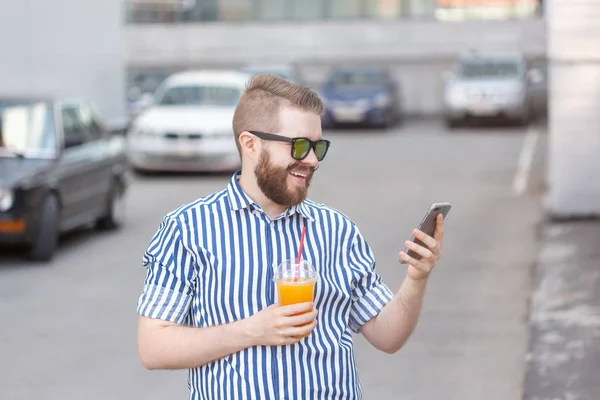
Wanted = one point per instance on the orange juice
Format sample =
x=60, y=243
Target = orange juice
x=292, y=292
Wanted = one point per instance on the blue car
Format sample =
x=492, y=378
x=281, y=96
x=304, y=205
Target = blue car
x=360, y=95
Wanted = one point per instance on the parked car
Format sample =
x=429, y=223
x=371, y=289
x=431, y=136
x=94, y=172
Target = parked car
x=60, y=169
x=188, y=127
x=361, y=95
x=285, y=71
x=140, y=88
x=485, y=85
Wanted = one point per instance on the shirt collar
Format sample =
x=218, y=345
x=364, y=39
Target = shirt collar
x=238, y=199
x=302, y=209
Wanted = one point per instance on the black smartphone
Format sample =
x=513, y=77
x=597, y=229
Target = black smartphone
x=428, y=225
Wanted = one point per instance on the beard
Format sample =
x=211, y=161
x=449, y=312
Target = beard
x=273, y=181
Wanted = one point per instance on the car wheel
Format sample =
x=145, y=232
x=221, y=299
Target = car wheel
x=115, y=209
x=46, y=237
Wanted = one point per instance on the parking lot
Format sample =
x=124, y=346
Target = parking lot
x=70, y=326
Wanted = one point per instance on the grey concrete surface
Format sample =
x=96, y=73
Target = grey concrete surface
x=69, y=328
x=564, y=356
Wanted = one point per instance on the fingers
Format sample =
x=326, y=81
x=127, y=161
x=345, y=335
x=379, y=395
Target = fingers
x=297, y=332
x=414, y=262
x=408, y=259
x=295, y=308
x=430, y=242
x=422, y=251
x=302, y=318
x=439, y=229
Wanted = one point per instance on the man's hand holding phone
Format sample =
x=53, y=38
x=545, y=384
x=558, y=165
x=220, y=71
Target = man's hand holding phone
x=430, y=251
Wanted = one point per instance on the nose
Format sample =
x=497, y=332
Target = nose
x=311, y=159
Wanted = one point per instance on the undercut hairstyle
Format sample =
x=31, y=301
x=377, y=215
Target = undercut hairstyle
x=259, y=106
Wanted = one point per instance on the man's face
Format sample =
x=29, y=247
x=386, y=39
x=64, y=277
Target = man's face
x=281, y=178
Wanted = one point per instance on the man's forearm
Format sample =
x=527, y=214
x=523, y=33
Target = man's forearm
x=397, y=320
x=181, y=347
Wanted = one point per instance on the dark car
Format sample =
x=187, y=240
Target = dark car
x=59, y=169
x=361, y=95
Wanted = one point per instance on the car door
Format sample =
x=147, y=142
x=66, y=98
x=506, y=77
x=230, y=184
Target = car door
x=101, y=157
x=81, y=189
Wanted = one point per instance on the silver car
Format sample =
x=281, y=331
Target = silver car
x=489, y=85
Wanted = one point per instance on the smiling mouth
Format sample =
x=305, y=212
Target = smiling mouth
x=299, y=175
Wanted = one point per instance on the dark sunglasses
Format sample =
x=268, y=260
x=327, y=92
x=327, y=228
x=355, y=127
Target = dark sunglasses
x=300, y=146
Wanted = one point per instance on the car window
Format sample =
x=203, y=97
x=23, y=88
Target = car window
x=489, y=69
x=73, y=127
x=89, y=122
x=200, y=96
x=357, y=78
x=80, y=124
x=27, y=129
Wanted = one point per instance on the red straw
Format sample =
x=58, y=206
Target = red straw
x=300, y=252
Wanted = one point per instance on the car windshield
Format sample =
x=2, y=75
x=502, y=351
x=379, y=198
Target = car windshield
x=357, y=78
x=195, y=95
x=489, y=69
x=27, y=130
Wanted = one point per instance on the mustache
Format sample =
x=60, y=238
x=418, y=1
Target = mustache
x=305, y=169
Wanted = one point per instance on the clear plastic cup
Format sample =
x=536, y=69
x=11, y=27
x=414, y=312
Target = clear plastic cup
x=295, y=282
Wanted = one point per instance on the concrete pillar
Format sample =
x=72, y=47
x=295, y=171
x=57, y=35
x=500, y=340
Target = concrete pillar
x=573, y=34
x=64, y=48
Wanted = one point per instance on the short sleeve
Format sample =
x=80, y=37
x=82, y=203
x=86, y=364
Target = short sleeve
x=170, y=275
x=369, y=294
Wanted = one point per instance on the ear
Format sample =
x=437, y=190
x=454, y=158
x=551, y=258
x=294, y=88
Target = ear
x=249, y=144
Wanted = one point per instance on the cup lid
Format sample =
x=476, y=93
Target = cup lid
x=292, y=270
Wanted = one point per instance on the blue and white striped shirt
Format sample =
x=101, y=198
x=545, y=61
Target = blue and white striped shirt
x=211, y=262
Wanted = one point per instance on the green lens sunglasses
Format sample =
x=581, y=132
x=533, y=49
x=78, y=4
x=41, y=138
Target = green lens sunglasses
x=300, y=146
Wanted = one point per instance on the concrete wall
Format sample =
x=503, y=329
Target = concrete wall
x=64, y=48
x=417, y=51
x=574, y=116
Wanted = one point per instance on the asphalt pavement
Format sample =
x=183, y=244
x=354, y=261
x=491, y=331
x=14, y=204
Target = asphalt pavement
x=69, y=327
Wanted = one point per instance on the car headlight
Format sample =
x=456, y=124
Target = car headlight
x=7, y=197
x=382, y=100
x=455, y=95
